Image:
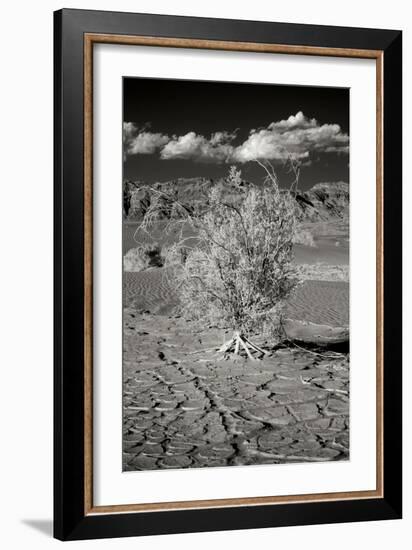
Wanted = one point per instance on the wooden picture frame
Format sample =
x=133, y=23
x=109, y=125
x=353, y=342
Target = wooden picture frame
x=76, y=33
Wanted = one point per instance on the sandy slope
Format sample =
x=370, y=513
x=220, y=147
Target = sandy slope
x=320, y=302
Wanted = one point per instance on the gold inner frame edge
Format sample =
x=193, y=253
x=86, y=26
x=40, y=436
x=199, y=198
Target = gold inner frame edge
x=89, y=40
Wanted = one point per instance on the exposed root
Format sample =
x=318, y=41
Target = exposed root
x=238, y=342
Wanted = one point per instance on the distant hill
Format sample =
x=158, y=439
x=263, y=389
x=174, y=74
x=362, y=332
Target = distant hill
x=324, y=201
x=137, y=196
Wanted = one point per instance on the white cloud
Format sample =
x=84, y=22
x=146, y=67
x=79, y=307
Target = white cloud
x=129, y=130
x=296, y=136
x=293, y=122
x=219, y=138
x=147, y=143
x=268, y=145
x=141, y=142
x=196, y=147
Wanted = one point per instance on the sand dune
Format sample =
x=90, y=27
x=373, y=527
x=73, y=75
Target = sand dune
x=149, y=290
x=320, y=302
x=316, y=301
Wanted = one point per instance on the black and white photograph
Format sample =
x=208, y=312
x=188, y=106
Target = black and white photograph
x=205, y=285
x=235, y=274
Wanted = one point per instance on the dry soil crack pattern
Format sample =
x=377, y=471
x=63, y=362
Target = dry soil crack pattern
x=186, y=410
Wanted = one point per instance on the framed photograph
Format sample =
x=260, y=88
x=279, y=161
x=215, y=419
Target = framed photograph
x=227, y=274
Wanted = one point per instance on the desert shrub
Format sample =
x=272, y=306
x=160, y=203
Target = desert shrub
x=176, y=255
x=241, y=272
x=143, y=257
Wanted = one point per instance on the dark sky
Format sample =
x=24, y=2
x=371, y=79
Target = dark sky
x=178, y=106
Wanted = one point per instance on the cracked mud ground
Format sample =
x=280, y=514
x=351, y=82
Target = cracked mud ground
x=188, y=410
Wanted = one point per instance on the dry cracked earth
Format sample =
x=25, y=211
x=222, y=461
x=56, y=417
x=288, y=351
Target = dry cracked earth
x=185, y=407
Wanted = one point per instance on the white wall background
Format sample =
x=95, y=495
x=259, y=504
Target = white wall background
x=26, y=325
